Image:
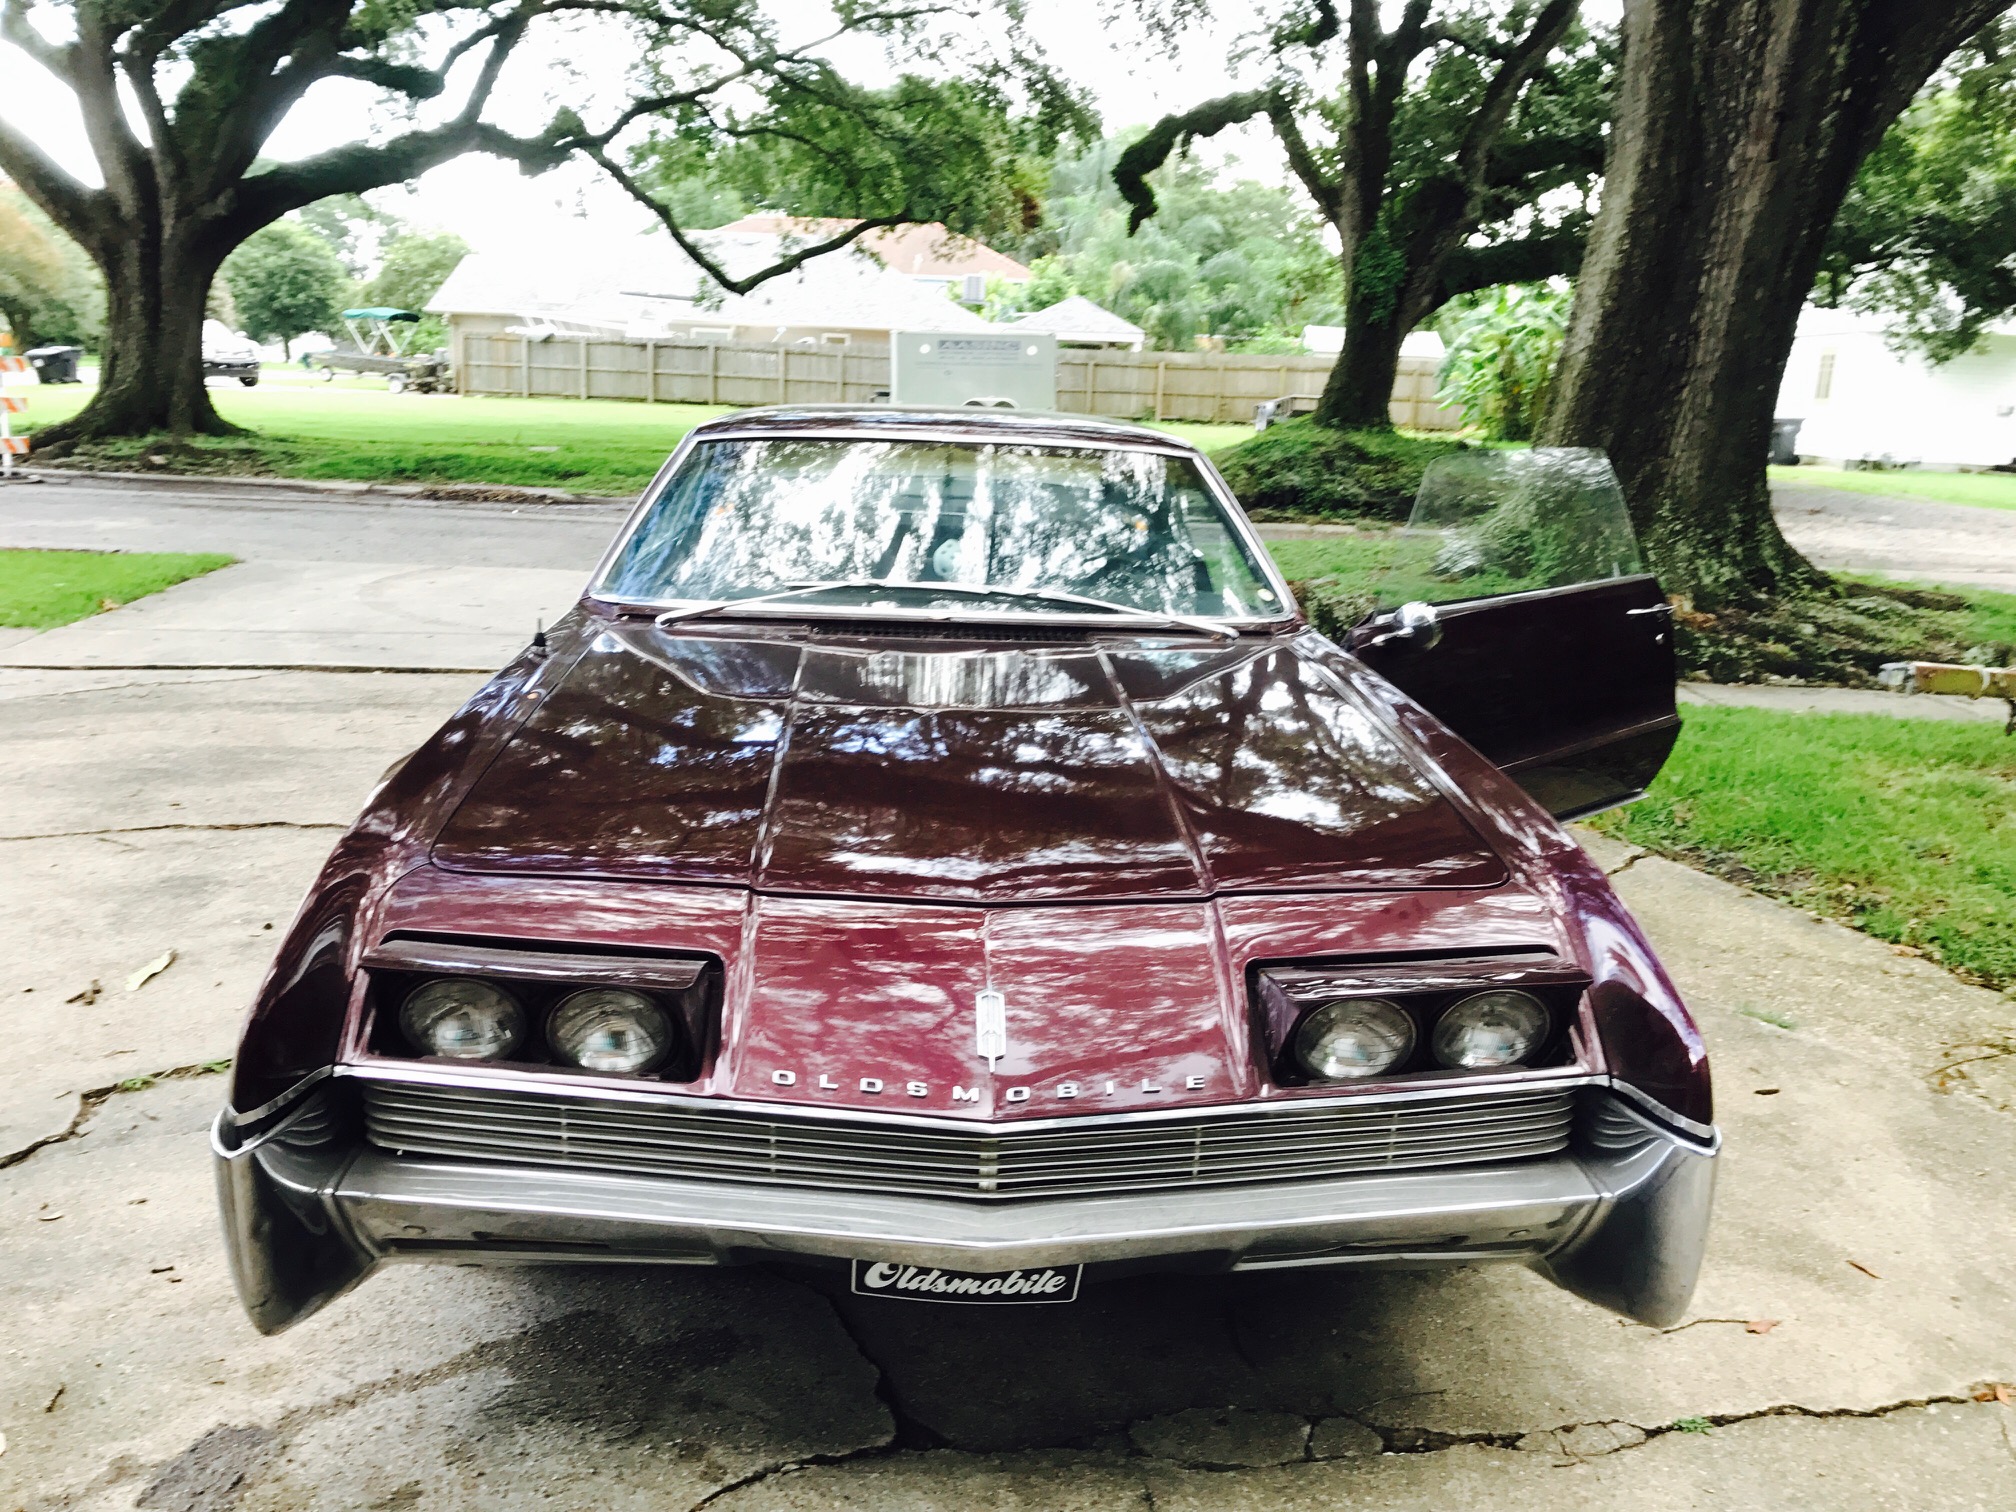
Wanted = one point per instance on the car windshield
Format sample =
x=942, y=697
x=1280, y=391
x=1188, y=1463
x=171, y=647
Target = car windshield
x=885, y=520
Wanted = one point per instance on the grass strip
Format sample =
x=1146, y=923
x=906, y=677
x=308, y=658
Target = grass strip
x=42, y=589
x=1982, y=490
x=1904, y=828
x=358, y=431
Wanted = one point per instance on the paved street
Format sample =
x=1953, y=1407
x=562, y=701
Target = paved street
x=1858, y=1295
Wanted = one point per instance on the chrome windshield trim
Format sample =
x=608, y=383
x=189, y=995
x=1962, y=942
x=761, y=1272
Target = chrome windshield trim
x=658, y=1096
x=848, y=429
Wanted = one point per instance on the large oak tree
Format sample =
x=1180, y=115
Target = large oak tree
x=1740, y=125
x=209, y=81
x=1439, y=164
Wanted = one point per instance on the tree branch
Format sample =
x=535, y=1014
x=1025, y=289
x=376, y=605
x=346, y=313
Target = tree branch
x=1327, y=192
x=1502, y=93
x=14, y=28
x=706, y=263
x=1172, y=133
x=72, y=205
x=1555, y=253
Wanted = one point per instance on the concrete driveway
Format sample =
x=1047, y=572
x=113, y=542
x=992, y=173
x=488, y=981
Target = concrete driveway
x=1859, y=1299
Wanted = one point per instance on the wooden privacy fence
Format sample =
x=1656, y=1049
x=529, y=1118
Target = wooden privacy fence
x=1221, y=387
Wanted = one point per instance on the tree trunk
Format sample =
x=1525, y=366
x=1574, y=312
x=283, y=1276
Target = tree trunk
x=1740, y=124
x=1358, y=395
x=151, y=376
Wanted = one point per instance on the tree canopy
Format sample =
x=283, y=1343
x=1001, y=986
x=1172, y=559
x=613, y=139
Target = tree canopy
x=1459, y=153
x=1927, y=233
x=49, y=292
x=415, y=266
x=1243, y=260
x=284, y=282
x=185, y=181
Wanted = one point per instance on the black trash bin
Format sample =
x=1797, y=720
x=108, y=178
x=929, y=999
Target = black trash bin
x=55, y=364
x=1785, y=442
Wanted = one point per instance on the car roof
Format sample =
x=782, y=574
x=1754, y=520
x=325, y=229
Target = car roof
x=972, y=422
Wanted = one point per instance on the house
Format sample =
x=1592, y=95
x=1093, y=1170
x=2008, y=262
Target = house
x=644, y=287
x=1858, y=400
x=1077, y=322
x=929, y=253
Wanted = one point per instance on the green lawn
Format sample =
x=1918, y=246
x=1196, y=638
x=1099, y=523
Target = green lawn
x=1905, y=828
x=353, y=429
x=1985, y=490
x=42, y=589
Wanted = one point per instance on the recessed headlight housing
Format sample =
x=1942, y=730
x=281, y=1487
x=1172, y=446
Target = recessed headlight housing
x=462, y=1018
x=1502, y=1027
x=1353, y=1039
x=610, y=1029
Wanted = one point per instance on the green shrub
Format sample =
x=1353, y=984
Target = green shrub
x=1503, y=352
x=1299, y=470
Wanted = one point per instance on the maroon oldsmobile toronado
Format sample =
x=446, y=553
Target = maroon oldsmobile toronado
x=937, y=848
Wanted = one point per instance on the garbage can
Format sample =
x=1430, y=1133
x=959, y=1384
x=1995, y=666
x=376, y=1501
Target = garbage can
x=1785, y=442
x=55, y=364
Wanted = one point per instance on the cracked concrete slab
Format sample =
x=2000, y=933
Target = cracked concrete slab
x=125, y=1359
x=319, y=614
x=149, y=811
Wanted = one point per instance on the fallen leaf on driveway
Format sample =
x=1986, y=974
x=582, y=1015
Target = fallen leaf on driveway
x=1997, y=1391
x=47, y=1217
x=1760, y=1325
x=1865, y=1270
x=150, y=971
x=88, y=996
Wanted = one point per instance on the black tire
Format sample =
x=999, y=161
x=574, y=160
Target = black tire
x=251, y=380
x=395, y=383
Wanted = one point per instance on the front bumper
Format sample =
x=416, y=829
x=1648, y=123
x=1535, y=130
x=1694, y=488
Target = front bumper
x=309, y=1211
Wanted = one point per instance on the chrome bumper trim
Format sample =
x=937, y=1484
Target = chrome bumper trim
x=308, y=1215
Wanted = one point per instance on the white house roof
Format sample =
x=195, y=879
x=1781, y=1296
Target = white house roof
x=1078, y=319
x=649, y=280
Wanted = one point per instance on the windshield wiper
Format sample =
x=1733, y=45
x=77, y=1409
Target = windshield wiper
x=1059, y=596
x=975, y=590
x=789, y=590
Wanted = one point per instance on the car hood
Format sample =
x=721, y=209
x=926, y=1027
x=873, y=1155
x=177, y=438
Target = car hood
x=990, y=772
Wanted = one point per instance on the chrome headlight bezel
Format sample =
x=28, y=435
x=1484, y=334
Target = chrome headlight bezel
x=1287, y=997
x=678, y=996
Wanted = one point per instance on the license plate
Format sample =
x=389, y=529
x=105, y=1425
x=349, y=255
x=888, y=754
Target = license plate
x=934, y=1283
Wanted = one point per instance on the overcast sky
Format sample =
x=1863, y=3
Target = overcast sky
x=491, y=204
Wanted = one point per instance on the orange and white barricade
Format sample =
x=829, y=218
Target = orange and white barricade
x=11, y=445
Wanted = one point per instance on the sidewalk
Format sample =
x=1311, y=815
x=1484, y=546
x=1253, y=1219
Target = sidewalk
x=320, y=616
x=1841, y=701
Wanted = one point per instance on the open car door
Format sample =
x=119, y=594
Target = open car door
x=1515, y=608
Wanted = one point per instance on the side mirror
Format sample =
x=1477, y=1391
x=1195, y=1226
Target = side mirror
x=1414, y=622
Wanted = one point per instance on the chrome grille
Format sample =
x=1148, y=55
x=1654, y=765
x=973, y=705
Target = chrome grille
x=993, y=1163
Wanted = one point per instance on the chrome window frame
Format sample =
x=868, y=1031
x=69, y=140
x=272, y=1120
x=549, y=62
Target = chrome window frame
x=847, y=428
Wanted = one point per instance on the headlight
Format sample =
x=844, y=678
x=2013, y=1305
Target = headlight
x=1490, y=1029
x=1354, y=1038
x=462, y=1018
x=610, y=1029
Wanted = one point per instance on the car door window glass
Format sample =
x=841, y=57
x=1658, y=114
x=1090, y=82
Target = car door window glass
x=1494, y=522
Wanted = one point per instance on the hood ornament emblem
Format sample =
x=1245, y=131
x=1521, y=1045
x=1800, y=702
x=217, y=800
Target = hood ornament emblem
x=990, y=1026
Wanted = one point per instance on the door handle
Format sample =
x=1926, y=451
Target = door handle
x=1666, y=609
x=1412, y=621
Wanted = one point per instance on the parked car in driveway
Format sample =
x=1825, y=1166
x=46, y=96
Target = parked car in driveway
x=936, y=848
